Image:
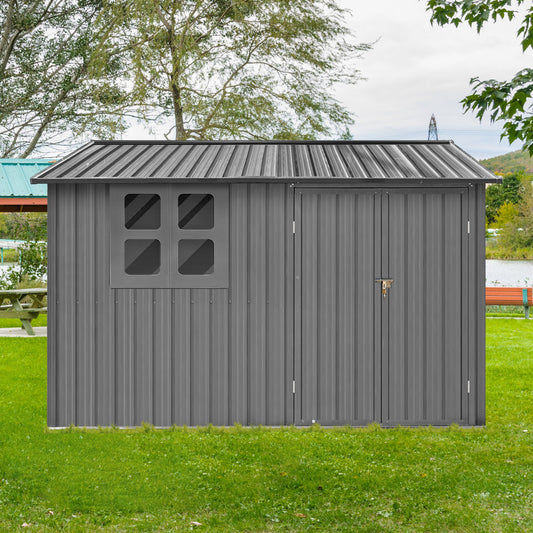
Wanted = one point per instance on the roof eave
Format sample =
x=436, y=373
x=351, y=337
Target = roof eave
x=47, y=170
x=262, y=179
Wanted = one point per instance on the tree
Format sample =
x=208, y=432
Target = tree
x=30, y=228
x=510, y=191
x=506, y=214
x=51, y=86
x=510, y=100
x=240, y=68
x=517, y=232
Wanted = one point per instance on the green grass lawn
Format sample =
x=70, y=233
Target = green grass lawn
x=371, y=479
x=41, y=320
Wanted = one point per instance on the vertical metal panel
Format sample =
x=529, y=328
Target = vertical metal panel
x=454, y=235
x=66, y=311
x=124, y=355
x=289, y=297
x=200, y=344
x=162, y=357
x=52, y=345
x=238, y=300
x=85, y=302
x=327, y=307
x=308, y=252
x=104, y=323
x=181, y=356
x=380, y=325
x=276, y=312
x=424, y=366
x=477, y=370
x=435, y=340
x=143, y=361
x=257, y=283
x=335, y=270
x=219, y=387
x=348, y=294
x=466, y=322
x=298, y=303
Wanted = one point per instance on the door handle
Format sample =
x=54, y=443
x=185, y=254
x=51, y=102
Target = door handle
x=386, y=284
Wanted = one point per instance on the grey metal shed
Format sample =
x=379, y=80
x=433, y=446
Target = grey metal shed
x=246, y=282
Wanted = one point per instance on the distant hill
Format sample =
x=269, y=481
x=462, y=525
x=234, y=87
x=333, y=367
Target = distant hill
x=511, y=162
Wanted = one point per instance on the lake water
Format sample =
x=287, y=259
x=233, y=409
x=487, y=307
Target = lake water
x=498, y=273
x=508, y=273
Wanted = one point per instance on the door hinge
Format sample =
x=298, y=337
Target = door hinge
x=294, y=386
x=294, y=226
x=468, y=227
x=468, y=387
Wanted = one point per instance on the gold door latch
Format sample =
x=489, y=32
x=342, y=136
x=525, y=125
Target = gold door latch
x=385, y=285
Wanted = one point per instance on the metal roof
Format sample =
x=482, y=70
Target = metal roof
x=295, y=161
x=15, y=177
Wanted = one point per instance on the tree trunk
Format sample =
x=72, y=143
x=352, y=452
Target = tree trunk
x=181, y=135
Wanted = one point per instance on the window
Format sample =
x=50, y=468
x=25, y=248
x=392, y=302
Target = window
x=196, y=257
x=168, y=236
x=142, y=256
x=196, y=211
x=142, y=211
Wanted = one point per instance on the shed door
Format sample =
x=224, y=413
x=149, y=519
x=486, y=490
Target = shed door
x=336, y=334
x=360, y=357
x=424, y=252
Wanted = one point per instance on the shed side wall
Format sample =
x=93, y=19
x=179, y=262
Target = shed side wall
x=479, y=418
x=170, y=356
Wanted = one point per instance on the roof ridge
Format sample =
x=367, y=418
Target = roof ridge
x=271, y=141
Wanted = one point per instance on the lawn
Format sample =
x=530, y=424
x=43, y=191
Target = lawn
x=367, y=479
x=41, y=320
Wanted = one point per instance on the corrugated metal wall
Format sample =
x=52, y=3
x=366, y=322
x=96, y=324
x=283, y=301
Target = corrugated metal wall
x=198, y=356
x=170, y=356
x=337, y=337
x=399, y=359
x=425, y=365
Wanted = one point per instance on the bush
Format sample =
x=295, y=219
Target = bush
x=517, y=232
x=32, y=266
x=510, y=191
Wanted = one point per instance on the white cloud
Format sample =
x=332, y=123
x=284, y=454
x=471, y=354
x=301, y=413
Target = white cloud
x=416, y=69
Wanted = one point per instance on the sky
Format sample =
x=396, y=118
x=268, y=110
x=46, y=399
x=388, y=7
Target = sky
x=416, y=69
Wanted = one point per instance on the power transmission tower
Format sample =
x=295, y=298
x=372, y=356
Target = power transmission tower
x=433, y=134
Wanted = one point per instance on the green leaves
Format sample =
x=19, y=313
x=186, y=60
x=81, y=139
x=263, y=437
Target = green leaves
x=240, y=68
x=213, y=69
x=50, y=81
x=509, y=101
x=511, y=191
x=31, y=228
x=474, y=12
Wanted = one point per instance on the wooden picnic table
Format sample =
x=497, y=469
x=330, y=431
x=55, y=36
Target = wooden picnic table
x=26, y=311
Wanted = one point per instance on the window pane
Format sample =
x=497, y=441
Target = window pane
x=142, y=211
x=142, y=256
x=196, y=211
x=196, y=256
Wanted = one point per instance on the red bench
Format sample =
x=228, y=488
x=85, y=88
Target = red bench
x=509, y=296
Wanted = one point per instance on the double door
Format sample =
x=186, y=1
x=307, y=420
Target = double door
x=368, y=350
